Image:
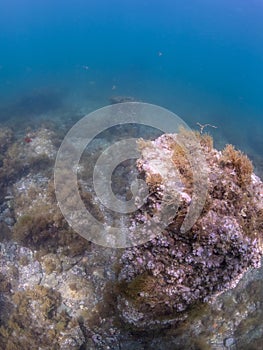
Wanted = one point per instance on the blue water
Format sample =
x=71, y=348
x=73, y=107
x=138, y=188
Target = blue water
x=202, y=59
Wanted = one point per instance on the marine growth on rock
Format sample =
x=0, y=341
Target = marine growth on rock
x=161, y=279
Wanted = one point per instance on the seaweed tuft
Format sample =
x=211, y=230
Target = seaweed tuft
x=240, y=163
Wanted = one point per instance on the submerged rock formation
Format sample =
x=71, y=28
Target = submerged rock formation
x=59, y=291
x=160, y=280
x=121, y=99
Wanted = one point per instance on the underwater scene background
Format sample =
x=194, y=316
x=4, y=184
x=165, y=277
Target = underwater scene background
x=201, y=59
x=62, y=59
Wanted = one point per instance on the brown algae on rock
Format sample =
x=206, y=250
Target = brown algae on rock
x=58, y=291
x=166, y=276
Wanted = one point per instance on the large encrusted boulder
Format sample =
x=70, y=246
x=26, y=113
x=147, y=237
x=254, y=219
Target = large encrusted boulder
x=163, y=278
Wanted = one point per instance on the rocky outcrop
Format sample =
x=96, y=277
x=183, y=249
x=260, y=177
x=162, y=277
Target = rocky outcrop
x=59, y=291
x=162, y=279
x=121, y=99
